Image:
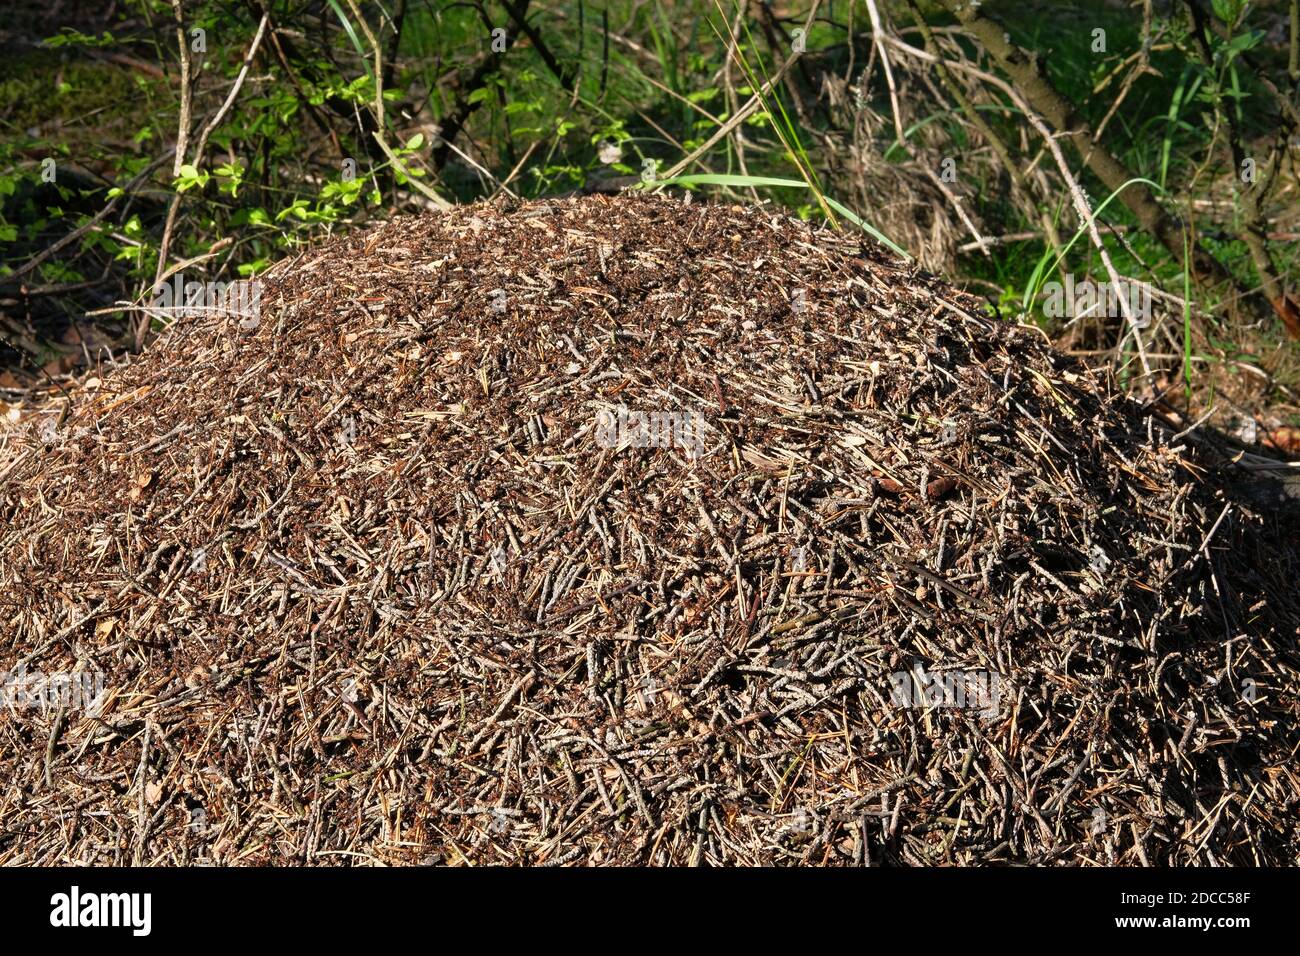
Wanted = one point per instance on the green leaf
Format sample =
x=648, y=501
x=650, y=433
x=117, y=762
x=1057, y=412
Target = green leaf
x=298, y=209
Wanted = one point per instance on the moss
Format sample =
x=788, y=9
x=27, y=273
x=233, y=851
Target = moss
x=39, y=88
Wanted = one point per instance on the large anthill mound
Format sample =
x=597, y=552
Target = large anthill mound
x=634, y=531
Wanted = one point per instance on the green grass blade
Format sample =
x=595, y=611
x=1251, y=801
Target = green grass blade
x=867, y=227
x=347, y=27
x=732, y=179
x=1181, y=94
x=1187, y=316
x=726, y=179
x=1042, y=269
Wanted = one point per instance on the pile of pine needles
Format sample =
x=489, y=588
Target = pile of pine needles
x=631, y=530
